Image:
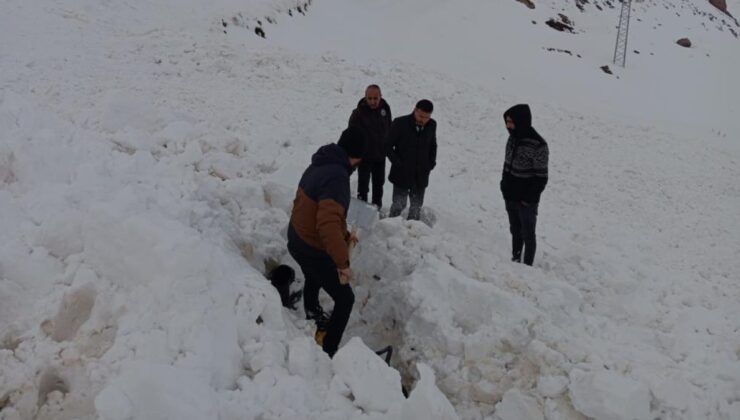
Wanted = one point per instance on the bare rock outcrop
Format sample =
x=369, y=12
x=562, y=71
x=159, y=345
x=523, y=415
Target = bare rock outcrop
x=562, y=24
x=720, y=4
x=527, y=3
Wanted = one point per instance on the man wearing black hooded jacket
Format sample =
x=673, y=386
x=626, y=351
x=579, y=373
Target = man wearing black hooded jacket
x=373, y=117
x=523, y=179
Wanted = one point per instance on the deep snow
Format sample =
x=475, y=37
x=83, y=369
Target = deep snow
x=148, y=164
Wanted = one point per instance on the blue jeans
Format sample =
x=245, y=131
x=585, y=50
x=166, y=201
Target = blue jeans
x=522, y=223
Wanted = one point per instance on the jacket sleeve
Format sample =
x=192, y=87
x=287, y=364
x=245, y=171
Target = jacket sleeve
x=391, y=143
x=352, y=118
x=539, y=181
x=433, y=149
x=331, y=225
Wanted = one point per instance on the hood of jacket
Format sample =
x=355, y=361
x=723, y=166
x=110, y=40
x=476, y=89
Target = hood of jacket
x=521, y=115
x=331, y=154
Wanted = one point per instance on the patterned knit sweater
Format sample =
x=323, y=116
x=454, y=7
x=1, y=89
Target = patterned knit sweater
x=525, y=169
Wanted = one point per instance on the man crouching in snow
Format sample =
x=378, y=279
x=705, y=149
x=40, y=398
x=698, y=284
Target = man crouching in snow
x=318, y=238
x=523, y=180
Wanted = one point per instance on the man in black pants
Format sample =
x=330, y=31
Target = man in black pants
x=523, y=180
x=411, y=147
x=318, y=238
x=373, y=117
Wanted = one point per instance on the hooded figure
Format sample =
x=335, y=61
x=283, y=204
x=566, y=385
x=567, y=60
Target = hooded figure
x=317, y=234
x=523, y=179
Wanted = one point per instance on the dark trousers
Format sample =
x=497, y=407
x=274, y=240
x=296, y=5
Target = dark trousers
x=320, y=272
x=375, y=171
x=401, y=196
x=522, y=222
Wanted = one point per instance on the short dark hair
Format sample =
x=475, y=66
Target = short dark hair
x=425, y=105
x=373, y=86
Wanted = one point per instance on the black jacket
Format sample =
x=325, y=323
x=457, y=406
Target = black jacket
x=525, y=164
x=413, y=154
x=374, y=123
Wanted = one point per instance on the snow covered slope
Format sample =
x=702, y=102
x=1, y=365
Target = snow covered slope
x=508, y=48
x=149, y=153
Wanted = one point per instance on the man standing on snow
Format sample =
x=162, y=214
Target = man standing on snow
x=373, y=117
x=411, y=146
x=523, y=180
x=317, y=234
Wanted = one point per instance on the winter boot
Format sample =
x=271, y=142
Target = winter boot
x=319, y=336
x=318, y=315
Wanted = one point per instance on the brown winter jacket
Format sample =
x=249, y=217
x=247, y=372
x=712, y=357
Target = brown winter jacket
x=318, y=223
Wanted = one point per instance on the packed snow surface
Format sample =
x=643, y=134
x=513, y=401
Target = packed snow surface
x=149, y=154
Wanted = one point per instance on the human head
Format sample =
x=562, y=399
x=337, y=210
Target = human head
x=373, y=96
x=281, y=275
x=518, y=119
x=352, y=141
x=423, y=111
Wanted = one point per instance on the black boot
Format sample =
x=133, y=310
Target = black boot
x=318, y=316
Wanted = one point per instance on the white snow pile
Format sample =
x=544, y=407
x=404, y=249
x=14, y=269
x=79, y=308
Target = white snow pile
x=148, y=163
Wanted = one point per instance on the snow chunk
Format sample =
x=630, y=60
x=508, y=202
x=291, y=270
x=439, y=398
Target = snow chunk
x=427, y=402
x=306, y=359
x=609, y=396
x=518, y=405
x=552, y=386
x=374, y=385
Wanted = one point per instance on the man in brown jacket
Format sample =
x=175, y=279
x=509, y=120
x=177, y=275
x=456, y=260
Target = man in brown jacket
x=317, y=235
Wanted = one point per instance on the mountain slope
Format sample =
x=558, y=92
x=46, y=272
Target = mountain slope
x=148, y=162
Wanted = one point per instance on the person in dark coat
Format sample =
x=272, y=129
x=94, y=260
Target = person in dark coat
x=411, y=146
x=318, y=239
x=523, y=179
x=373, y=117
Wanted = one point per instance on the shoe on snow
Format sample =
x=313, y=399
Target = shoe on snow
x=319, y=317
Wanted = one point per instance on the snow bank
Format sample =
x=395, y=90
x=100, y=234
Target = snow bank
x=148, y=163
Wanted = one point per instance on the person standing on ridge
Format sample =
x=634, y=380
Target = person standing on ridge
x=411, y=147
x=318, y=239
x=373, y=117
x=523, y=179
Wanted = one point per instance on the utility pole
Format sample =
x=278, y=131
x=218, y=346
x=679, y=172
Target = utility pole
x=620, y=50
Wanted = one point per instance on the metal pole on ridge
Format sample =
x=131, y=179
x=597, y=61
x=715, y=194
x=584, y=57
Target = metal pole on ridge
x=620, y=50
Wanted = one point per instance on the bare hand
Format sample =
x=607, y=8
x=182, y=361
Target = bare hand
x=353, y=239
x=345, y=275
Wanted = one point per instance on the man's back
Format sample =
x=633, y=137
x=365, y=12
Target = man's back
x=318, y=220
